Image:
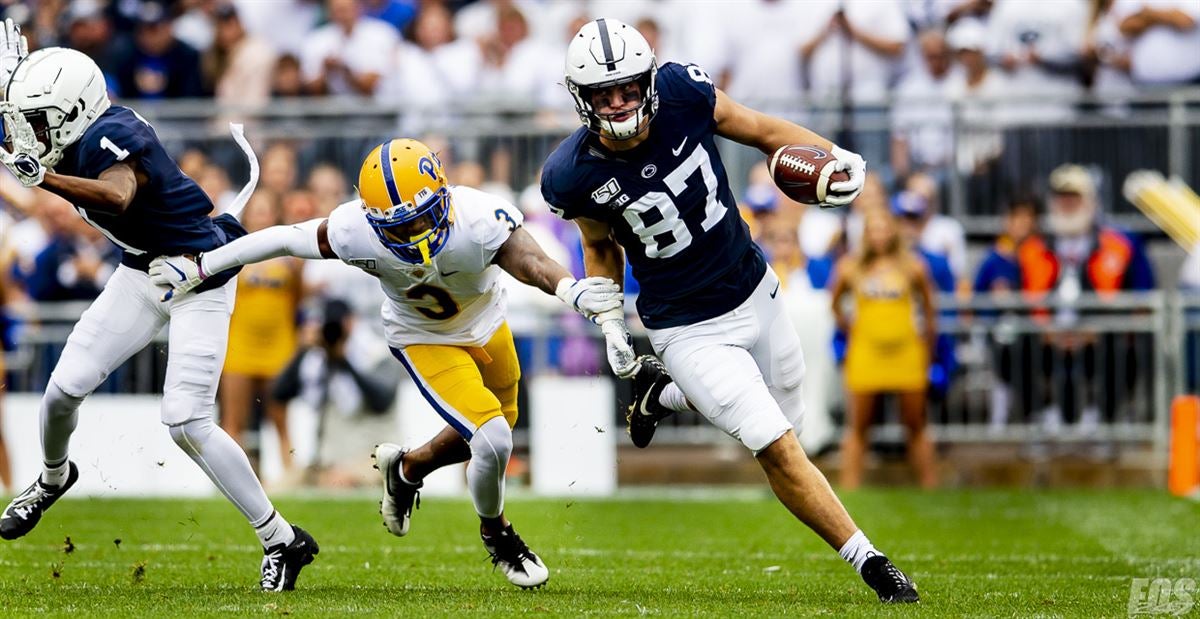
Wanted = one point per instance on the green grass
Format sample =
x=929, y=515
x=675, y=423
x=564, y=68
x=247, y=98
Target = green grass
x=1019, y=554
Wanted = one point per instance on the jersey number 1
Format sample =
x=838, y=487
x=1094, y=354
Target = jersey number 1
x=108, y=145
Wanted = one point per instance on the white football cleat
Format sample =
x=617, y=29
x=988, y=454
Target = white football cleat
x=399, y=497
x=521, y=566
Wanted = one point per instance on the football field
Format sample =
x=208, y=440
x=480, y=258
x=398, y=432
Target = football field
x=716, y=553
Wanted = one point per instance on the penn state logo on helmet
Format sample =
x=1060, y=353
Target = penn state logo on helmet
x=406, y=200
x=606, y=53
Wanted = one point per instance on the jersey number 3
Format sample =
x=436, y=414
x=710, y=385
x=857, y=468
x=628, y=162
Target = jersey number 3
x=655, y=217
x=444, y=306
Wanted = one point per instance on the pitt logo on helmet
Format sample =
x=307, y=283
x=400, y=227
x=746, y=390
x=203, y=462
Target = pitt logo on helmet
x=406, y=200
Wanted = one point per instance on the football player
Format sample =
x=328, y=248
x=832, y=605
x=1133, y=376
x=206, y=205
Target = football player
x=437, y=251
x=65, y=137
x=643, y=180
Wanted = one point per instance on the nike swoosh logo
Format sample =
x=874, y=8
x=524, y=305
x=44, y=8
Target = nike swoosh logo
x=448, y=273
x=774, y=292
x=182, y=277
x=676, y=151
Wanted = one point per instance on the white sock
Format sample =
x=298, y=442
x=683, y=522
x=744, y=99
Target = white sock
x=55, y=474
x=857, y=550
x=672, y=397
x=274, y=531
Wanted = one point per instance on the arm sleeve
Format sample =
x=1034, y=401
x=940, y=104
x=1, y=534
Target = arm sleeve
x=299, y=240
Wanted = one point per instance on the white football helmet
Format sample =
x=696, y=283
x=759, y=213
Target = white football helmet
x=61, y=92
x=606, y=53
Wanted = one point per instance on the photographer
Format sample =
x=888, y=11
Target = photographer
x=349, y=399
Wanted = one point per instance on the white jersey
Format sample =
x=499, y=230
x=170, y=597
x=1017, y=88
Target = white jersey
x=458, y=299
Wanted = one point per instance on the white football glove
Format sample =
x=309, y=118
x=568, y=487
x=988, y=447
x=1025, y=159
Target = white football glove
x=13, y=48
x=590, y=295
x=844, y=192
x=618, y=344
x=22, y=160
x=178, y=274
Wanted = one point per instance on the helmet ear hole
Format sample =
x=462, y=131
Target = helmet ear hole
x=74, y=113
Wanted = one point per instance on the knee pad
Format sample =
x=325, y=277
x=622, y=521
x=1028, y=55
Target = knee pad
x=757, y=421
x=191, y=435
x=180, y=408
x=59, y=403
x=492, y=443
x=77, y=377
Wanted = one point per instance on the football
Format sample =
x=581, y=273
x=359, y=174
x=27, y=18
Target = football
x=804, y=172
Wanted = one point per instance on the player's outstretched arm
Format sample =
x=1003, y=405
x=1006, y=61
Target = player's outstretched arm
x=181, y=274
x=524, y=259
x=768, y=133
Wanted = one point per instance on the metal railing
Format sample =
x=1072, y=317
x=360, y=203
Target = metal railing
x=1158, y=131
x=1109, y=365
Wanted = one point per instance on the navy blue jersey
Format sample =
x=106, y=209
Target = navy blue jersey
x=169, y=213
x=668, y=203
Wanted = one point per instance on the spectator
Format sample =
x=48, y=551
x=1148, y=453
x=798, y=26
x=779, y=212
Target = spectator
x=1040, y=51
x=887, y=351
x=979, y=144
x=299, y=206
x=873, y=34
x=215, y=183
x=999, y=276
x=435, y=68
x=349, y=394
x=518, y=69
x=328, y=185
x=75, y=264
x=1000, y=271
x=89, y=31
x=1081, y=255
x=1106, y=54
x=349, y=55
x=159, y=66
x=262, y=333
x=238, y=67
x=278, y=169
x=941, y=235
x=922, y=116
x=286, y=79
x=1165, y=39
x=765, y=39
x=286, y=24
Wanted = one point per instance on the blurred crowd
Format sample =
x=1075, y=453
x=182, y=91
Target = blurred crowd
x=434, y=50
x=305, y=335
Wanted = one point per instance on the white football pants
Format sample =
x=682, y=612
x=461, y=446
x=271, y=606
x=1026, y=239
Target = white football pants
x=743, y=369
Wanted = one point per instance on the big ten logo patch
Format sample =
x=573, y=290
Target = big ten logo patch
x=1161, y=596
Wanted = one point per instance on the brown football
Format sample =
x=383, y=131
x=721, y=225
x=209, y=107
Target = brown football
x=804, y=172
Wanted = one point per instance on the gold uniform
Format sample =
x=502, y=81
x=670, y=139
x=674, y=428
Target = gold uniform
x=262, y=330
x=885, y=351
x=444, y=320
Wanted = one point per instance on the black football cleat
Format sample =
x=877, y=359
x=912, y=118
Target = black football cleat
x=399, y=497
x=282, y=563
x=646, y=410
x=520, y=565
x=889, y=583
x=24, y=512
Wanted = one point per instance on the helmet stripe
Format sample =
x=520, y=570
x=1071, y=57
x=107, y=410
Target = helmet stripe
x=389, y=179
x=606, y=45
